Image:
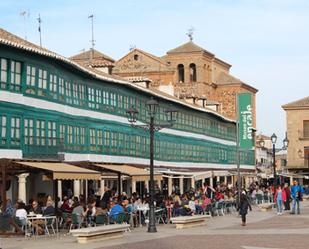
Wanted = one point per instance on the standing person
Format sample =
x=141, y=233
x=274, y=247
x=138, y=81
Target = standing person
x=243, y=207
x=296, y=193
x=280, y=198
x=288, y=197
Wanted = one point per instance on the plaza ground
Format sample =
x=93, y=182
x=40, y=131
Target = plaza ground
x=264, y=230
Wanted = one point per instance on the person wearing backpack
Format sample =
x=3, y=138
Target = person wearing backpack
x=296, y=193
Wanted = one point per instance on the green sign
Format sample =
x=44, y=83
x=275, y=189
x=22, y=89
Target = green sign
x=245, y=119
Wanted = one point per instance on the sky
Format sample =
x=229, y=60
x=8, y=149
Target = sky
x=266, y=41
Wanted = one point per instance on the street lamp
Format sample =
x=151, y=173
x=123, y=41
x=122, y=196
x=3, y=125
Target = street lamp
x=285, y=145
x=171, y=115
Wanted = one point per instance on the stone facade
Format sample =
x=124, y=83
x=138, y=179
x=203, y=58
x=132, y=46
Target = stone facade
x=188, y=72
x=297, y=113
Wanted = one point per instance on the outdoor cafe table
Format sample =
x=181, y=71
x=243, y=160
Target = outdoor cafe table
x=31, y=218
x=140, y=210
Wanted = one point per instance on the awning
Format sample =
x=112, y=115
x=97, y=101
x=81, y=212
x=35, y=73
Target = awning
x=64, y=171
x=137, y=174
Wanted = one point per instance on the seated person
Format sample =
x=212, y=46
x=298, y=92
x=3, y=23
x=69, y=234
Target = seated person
x=66, y=207
x=49, y=210
x=91, y=211
x=116, y=209
x=79, y=210
x=21, y=213
x=35, y=208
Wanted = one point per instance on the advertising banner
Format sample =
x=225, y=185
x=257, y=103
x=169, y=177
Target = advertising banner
x=245, y=119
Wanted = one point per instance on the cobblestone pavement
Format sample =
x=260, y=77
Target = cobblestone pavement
x=264, y=230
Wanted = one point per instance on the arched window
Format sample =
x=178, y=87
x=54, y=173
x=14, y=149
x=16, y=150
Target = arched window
x=181, y=73
x=192, y=72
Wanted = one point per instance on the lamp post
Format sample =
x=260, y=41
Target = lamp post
x=171, y=114
x=274, y=150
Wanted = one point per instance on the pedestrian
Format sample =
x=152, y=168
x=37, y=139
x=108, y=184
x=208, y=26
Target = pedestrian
x=243, y=207
x=296, y=193
x=280, y=198
x=288, y=197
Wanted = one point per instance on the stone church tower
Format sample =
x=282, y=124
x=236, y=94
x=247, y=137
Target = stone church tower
x=188, y=72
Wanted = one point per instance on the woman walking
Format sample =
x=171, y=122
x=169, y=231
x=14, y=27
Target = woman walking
x=243, y=207
x=280, y=198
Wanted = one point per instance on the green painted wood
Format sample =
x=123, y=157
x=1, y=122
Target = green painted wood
x=74, y=89
x=85, y=135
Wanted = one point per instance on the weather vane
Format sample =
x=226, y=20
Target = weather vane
x=190, y=33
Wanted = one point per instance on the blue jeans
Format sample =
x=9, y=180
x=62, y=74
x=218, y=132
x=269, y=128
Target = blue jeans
x=295, y=202
x=279, y=206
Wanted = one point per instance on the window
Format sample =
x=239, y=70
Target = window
x=15, y=76
x=52, y=137
x=42, y=82
x=306, y=128
x=68, y=92
x=30, y=79
x=70, y=134
x=75, y=94
x=15, y=131
x=62, y=133
x=98, y=94
x=113, y=99
x=53, y=85
x=28, y=131
x=136, y=57
x=91, y=97
x=3, y=73
x=81, y=90
x=181, y=73
x=61, y=89
x=40, y=132
x=92, y=139
x=3, y=129
x=192, y=69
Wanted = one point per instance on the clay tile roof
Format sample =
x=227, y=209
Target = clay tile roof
x=93, y=58
x=188, y=48
x=304, y=102
x=225, y=78
x=5, y=35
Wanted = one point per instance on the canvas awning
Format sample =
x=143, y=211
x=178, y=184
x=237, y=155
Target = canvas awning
x=137, y=174
x=64, y=171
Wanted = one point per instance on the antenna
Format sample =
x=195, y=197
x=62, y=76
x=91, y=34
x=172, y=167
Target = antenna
x=190, y=33
x=92, y=35
x=132, y=47
x=25, y=14
x=40, y=21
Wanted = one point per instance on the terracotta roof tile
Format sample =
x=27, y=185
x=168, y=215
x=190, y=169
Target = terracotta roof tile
x=93, y=58
x=188, y=47
x=304, y=102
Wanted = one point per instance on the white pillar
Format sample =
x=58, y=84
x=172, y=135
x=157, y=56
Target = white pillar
x=82, y=187
x=225, y=179
x=181, y=185
x=133, y=187
x=170, y=185
x=102, y=187
x=147, y=186
x=22, y=187
x=211, y=182
x=59, y=194
x=192, y=182
x=218, y=179
x=76, y=188
x=232, y=180
x=159, y=184
x=86, y=189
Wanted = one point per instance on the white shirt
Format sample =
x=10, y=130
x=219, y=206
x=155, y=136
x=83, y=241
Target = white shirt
x=21, y=214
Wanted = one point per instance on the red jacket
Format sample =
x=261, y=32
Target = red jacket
x=283, y=195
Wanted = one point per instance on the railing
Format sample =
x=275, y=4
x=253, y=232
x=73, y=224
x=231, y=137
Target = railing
x=302, y=135
x=49, y=150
